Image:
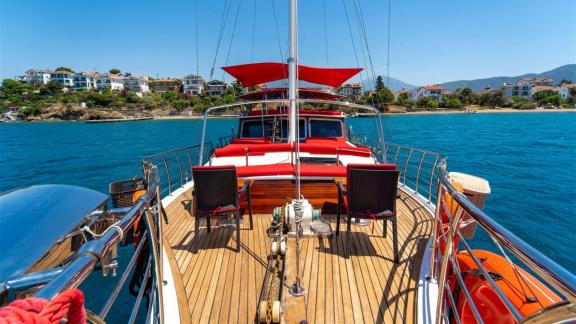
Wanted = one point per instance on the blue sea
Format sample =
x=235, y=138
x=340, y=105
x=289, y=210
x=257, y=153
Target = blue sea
x=529, y=159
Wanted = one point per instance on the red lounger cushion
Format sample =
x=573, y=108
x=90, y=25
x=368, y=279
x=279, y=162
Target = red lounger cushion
x=306, y=170
x=260, y=149
x=264, y=170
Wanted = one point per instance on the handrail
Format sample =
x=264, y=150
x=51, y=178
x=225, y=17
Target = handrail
x=176, y=166
x=552, y=275
x=341, y=104
x=96, y=251
x=417, y=167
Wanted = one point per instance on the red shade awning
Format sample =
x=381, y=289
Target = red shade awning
x=258, y=73
x=279, y=93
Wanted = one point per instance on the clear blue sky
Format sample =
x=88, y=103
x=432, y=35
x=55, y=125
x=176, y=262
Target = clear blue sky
x=432, y=41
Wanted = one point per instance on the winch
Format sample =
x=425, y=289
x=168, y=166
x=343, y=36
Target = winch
x=312, y=222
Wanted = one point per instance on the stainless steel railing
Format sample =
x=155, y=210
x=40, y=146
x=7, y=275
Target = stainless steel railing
x=418, y=168
x=96, y=253
x=175, y=166
x=520, y=257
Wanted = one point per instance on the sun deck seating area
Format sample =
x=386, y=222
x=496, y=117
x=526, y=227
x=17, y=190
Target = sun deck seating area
x=223, y=286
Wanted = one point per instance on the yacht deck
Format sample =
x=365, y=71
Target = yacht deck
x=218, y=285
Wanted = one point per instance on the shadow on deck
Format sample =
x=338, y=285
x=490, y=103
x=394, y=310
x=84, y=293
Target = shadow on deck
x=219, y=285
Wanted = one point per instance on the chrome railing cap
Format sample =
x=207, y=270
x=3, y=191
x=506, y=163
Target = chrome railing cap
x=33, y=219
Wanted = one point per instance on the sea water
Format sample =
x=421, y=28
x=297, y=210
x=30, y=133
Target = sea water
x=529, y=160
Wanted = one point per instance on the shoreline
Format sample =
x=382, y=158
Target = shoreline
x=412, y=113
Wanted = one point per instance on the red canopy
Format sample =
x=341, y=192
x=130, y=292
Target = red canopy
x=305, y=93
x=258, y=73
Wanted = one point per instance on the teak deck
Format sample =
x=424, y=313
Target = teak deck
x=222, y=286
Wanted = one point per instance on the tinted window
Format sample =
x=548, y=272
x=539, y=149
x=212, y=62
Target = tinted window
x=253, y=128
x=325, y=128
x=301, y=131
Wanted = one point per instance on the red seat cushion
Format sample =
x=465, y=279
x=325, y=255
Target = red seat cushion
x=306, y=170
x=316, y=147
x=314, y=170
x=264, y=170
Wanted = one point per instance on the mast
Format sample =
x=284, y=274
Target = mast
x=292, y=72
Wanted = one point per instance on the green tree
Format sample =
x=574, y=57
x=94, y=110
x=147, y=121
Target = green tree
x=492, y=99
x=114, y=71
x=63, y=69
x=545, y=97
x=465, y=95
x=380, y=83
x=14, y=91
x=54, y=87
x=451, y=103
x=238, y=88
x=566, y=81
x=402, y=99
x=384, y=95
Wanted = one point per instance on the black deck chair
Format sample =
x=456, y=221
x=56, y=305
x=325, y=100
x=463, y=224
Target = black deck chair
x=370, y=194
x=216, y=193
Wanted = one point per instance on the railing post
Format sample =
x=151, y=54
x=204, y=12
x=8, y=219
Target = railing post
x=189, y=161
x=167, y=174
x=446, y=256
x=179, y=168
x=418, y=172
x=396, y=155
x=406, y=164
x=432, y=181
x=437, y=218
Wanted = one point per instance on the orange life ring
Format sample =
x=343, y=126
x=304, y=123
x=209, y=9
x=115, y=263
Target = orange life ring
x=526, y=293
x=135, y=228
x=452, y=206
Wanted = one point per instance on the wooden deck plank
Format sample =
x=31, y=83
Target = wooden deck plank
x=224, y=286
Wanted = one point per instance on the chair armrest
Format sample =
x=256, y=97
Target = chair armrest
x=245, y=186
x=340, y=187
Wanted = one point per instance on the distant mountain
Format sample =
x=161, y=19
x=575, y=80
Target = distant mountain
x=395, y=84
x=564, y=72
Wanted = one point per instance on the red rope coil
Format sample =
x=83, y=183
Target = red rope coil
x=68, y=305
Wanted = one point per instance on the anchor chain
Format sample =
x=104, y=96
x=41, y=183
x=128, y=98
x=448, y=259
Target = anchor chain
x=276, y=268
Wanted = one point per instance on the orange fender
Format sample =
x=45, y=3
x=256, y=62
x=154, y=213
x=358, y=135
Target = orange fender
x=524, y=291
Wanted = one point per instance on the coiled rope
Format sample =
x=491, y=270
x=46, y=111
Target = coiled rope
x=67, y=307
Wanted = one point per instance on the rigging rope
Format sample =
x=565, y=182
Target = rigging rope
x=352, y=39
x=222, y=25
x=278, y=34
x=253, y=32
x=196, y=31
x=325, y=33
x=362, y=28
x=232, y=39
x=388, y=47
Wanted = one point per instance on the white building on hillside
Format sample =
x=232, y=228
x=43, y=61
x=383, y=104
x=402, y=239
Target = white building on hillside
x=193, y=84
x=351, y=91
x=523, y=90
x=216, y=88
x=84, y=81
x=65, y=78
x=110, y=81
x=138, y=85
x=433, y=92
x=564, y=90
x=537, y=82
x=36, y=77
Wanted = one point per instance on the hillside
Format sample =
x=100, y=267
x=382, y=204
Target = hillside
x=563, y=72
x=395, y=84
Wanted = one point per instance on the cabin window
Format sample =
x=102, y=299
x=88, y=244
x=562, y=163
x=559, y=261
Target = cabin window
x=257, y=128
x=284, y=129
x=325, y=128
